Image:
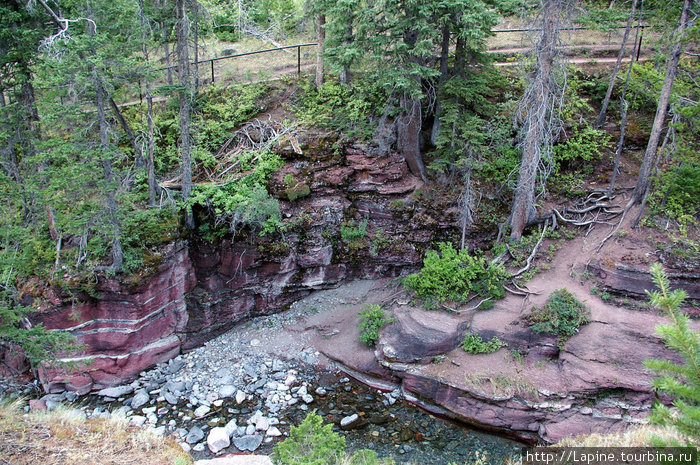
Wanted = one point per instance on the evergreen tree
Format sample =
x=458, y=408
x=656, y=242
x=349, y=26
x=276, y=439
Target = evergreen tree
x=681, y=381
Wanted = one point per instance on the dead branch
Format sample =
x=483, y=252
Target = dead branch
x=528, y=263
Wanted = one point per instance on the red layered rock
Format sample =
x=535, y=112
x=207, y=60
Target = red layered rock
x=634, y=282
x=127, y=330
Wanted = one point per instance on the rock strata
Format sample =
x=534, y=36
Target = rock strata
x=199, y=290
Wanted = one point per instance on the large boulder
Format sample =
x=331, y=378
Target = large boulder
x=418, y=335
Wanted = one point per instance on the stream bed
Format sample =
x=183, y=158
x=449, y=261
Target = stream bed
x=385, y=423
x=263, y=376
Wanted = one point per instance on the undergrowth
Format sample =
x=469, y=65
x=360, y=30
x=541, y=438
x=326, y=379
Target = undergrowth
x=373, y=320
x=562, y=316
x=474, y=344
x=452, y=275
x=340, y=107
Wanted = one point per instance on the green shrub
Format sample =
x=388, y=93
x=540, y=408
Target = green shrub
x=310, y=443
x=313, y=443
x=562, y=315
x=373, y=320
x=452, y=275
x=473, y=344
x=351, y=232
x=585, y=144
x=244, y=201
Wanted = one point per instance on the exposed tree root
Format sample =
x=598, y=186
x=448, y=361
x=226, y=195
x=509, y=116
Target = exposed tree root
x=528, y=263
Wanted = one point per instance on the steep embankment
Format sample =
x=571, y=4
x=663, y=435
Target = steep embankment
x=349, y=213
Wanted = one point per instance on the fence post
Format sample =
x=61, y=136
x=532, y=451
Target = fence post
x=299, y=62
x=212, y=71
x=639, y=47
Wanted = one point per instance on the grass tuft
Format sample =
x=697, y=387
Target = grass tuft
x=65, y=436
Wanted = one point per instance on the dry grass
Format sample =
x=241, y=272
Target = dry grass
x=501, y=384
x=63, y=437
x=642, y=436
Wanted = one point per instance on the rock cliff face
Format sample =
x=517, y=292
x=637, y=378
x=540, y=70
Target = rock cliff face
x=348, y=215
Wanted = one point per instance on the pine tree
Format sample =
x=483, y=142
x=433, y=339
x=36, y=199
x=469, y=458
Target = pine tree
x=682, y=381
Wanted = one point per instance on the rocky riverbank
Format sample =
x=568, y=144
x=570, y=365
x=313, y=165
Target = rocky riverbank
x=241, y=392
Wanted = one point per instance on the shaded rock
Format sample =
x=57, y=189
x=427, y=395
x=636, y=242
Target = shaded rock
x=631, y=281
x=175, y=365
x=201, y=411
x=140, y=398
x=231, y=427
x=169, y=398
x=249, y=442
x=227, y=390
x=116, y=391
x=195, y=435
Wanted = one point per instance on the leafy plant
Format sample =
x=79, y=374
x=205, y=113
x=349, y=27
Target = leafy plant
x=452, y=275
x=244, y=202
x=474, y=344
x=313, y=443
x=373, y=320
x=36, y=343
x=336, y=106
x=350, y=232
x=562, y=315
x=682, y=381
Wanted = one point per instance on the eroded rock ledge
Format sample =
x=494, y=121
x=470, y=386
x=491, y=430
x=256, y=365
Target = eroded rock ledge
x=532, y=390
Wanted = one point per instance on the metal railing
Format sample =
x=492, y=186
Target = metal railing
x=255, y=52
x=211, y=61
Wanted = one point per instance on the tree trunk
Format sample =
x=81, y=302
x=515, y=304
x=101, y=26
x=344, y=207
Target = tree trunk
x=345, y=75
x=166, y=51
x=537, y=107
x=319, y=50
x=662, y=107
x=183, y=71
x=606, y=101
x=460, y=55
x=444, y=55
x=105, y=149
x=150, y=142
x=195, y=7
x=129, y=133
x=623, y=107
x=408, y=136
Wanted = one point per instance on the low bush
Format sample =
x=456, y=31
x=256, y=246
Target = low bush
x=474, y=344
x=452, y=275
x=313, y=443
x=373, y=320
x=562, y=315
